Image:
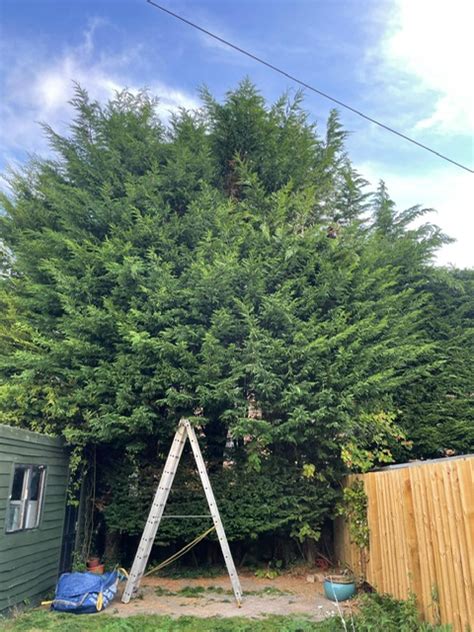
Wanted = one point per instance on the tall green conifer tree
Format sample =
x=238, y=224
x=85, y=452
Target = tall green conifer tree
x=222, y=266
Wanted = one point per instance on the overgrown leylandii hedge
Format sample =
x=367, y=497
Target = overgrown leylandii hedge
x=228, y=266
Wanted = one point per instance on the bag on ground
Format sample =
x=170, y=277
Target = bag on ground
x=83, y=593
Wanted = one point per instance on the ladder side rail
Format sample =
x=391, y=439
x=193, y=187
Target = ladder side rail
x=234, y=578
x=155, y=514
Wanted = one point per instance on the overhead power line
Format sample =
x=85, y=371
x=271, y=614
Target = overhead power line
x=308, y=86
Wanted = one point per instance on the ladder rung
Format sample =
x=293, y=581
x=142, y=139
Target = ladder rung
x=183, y=516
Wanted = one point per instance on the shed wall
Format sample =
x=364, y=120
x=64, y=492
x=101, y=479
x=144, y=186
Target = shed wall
x=29, y=560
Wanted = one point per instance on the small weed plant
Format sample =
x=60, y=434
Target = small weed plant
x=382, y=612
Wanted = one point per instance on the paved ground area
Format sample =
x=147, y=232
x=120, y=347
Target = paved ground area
x=210, y=597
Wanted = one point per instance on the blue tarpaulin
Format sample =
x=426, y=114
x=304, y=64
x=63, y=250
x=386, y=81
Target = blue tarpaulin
x=83, y=593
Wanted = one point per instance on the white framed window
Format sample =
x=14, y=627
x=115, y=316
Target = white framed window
x=26, y=497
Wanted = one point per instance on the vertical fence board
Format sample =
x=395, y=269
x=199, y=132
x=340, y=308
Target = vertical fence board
x=465, y=473
x=420, y=520
x=395, y=511
x=451, y=573
x=405, y=560
x=457, y=539
x=436, y=531
x=390, y=554
x=430, y=567
x=414, y=575
x=461, y=527
x=374, y=563
x=424, y=542
x=421, y=523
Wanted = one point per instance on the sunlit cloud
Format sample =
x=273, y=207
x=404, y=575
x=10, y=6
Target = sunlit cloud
x=449, y=193
x=431, y=41
x=37, y=87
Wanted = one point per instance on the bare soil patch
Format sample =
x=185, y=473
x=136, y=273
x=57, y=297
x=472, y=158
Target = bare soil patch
x=213, y=597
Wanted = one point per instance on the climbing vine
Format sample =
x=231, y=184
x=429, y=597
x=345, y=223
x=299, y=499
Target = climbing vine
x=353, y=508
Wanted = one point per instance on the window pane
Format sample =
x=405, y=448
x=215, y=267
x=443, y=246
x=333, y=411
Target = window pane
x=35, y=486
x=18, y=478
x=14, y=516
x=31, y=514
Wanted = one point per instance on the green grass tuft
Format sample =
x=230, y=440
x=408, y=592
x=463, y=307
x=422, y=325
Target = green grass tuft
x=163, y=592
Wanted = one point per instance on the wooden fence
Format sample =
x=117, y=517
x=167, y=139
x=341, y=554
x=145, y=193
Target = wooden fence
x=421, y=521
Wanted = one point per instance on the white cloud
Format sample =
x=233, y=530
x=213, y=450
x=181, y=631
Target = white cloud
x=37, y=88
x=421, y=70
x=171, y=100
x=450, y=193
x=431, y=41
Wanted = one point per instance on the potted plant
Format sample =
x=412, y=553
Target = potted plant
x=94, y=565
x=98, y=570
x=93, y=561
x=339, y=587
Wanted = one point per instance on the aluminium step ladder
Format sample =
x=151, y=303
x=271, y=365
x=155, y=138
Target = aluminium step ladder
x=185, y=430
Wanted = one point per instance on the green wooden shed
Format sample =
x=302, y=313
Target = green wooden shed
x=33, y=483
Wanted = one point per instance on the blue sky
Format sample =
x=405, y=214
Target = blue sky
x=406, y=62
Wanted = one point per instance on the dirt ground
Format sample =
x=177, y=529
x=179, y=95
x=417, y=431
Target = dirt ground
x=212, y=597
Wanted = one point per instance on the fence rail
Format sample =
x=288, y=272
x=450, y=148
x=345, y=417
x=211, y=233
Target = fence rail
x=421, y=522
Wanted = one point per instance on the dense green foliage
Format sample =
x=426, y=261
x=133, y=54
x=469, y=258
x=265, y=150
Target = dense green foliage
x=438, y=408
x=229, y=267
x=375, y=613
